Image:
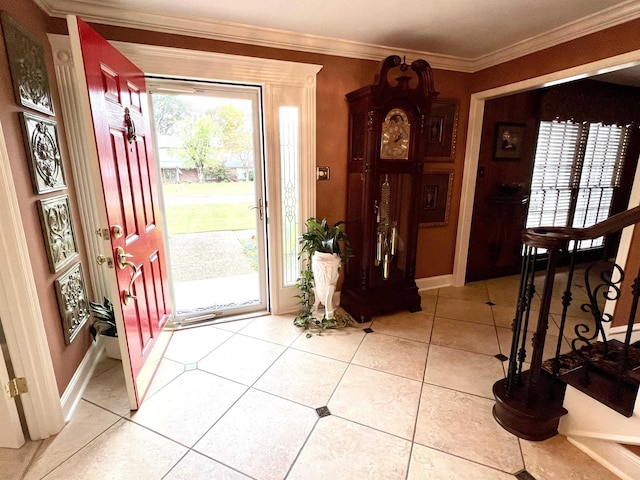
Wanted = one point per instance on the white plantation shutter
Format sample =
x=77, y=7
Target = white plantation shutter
x=576, y=169
x=601, y=169
x=553, y=174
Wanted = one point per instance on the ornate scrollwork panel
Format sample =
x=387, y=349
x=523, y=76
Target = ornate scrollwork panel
x=57, y=228
x=41, y=142
x=72, y=301
x=27, y=65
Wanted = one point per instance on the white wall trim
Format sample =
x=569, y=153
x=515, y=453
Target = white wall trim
x=621, y=260
x=474, y=131
x=213, y=66
x=612, y=456
x=77, y=143
x=589, y=418
x=585, y=26
x=431, y=283
x=127, y=16
x=73, y=393
x=21, y=315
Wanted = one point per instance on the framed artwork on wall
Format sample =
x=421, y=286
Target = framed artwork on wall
x=57, y=229
x=435, y=200
x=43, y=149
x=27, y=66
x=442, y=129
x=72, y=301
x=509, y=140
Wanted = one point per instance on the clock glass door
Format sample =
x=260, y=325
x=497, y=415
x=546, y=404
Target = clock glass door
x=393, y=207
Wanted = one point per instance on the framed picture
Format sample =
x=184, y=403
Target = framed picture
x=72, y=302
x=57, y=228
x=27, y=66
x=43, y=149
x=442, y=130
x=509, y=140
x=435, y=199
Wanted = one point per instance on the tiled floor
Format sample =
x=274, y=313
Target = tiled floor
x=411, y=400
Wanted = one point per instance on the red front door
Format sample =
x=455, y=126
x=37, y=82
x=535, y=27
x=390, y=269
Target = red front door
x=119, y=109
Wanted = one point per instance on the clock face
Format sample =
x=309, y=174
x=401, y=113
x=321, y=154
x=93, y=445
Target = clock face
x=396, y=129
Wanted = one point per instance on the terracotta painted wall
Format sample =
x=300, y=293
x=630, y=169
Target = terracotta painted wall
x=436, y=245
x=337, y=77
x=66, y=359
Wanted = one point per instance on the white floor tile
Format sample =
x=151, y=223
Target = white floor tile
x=379, y=400
x=342, y=450
x=260, y=436
x=303, y=378
x=126, y=451
x=186, y=408
x=243, y=394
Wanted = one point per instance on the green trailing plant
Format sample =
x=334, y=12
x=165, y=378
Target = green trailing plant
x=319, y=237
x=104, y=319
x=322, y=237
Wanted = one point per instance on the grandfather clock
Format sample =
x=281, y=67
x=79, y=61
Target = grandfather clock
x=387, y=131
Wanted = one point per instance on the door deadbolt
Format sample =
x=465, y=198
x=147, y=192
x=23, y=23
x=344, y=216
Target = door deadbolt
x=117, y=231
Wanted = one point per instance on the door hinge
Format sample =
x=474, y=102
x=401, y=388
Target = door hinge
x=16, y=386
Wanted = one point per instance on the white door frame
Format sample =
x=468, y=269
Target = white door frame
x=284, y=84
x=22, y=319
x=474, y=133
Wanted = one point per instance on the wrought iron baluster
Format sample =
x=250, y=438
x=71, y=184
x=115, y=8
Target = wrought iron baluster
x=622, y=366
x=515, y=362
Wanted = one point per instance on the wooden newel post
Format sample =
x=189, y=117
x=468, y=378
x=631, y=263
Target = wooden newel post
x=530, y=410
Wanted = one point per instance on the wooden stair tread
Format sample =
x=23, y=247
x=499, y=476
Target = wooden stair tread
x=599, y=380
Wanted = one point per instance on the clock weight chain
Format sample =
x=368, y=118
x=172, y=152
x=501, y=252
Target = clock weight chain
x=387, y=230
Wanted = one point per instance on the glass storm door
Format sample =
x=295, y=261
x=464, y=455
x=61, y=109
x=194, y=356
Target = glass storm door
x=209, y=146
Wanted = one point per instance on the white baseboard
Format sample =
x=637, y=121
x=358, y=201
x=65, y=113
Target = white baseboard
x=431, y=283
x=610, y=455
x=73, y=393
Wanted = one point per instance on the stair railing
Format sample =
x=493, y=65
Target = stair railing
x=529, y=402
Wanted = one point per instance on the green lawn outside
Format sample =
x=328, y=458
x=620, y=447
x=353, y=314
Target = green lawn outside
x=209, y=218
x=204, y=189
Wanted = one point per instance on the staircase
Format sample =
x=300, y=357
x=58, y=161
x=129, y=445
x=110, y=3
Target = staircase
x=588, y=391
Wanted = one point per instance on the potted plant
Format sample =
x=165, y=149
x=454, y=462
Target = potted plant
x=325, y=248
x=104, y=324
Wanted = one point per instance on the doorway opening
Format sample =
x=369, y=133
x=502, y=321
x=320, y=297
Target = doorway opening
x=210, y=161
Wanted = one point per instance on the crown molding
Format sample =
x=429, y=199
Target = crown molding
x=610, y=17
x=96, y=12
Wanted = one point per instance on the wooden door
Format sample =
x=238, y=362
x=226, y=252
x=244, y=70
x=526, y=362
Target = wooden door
x=119, y=110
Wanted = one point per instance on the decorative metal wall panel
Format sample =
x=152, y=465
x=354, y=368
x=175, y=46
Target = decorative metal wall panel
x=72, y=301
x=57, y=227
x=43, y=149
x=27, y=65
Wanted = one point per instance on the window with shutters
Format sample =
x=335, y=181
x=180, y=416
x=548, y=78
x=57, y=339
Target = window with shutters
x=576, y=170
